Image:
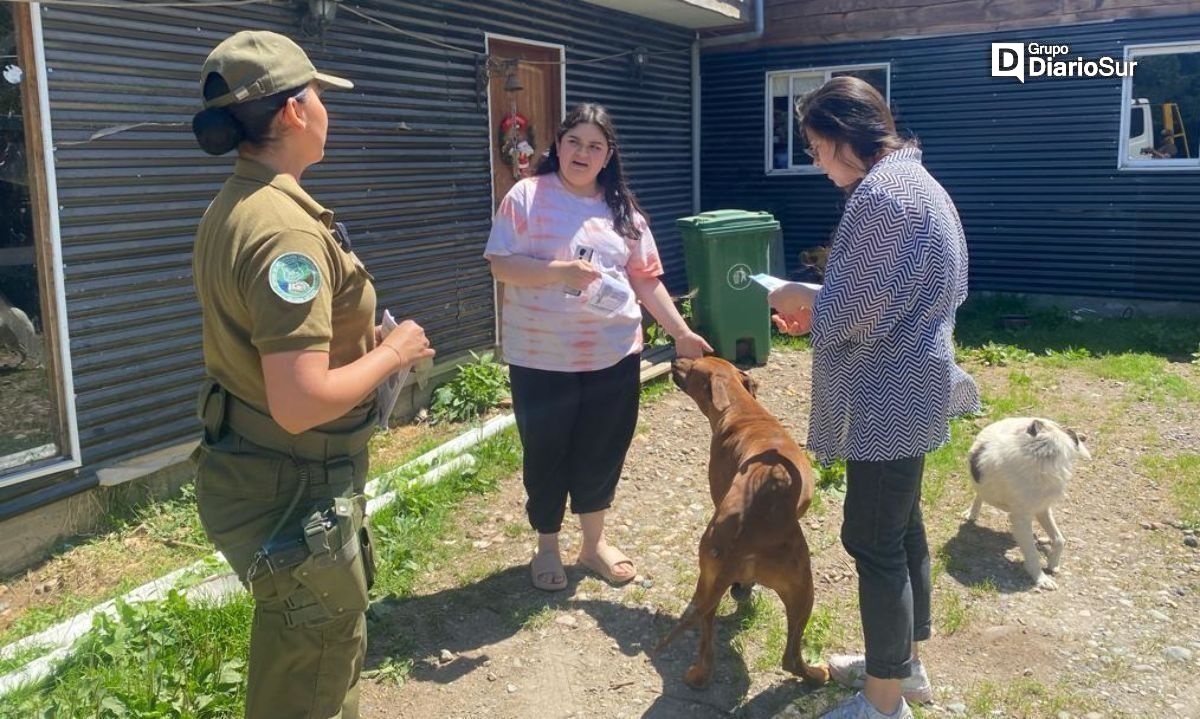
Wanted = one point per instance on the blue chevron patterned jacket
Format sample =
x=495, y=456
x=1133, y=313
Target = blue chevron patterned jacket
x=884, y=382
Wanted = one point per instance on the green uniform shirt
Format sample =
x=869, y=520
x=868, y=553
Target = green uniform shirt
x=271, y=277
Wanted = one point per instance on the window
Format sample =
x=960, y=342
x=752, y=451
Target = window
x=784, y=142
x=1162, y=102
x=37, y=431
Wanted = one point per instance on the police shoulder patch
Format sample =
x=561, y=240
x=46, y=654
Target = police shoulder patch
x=294, y=277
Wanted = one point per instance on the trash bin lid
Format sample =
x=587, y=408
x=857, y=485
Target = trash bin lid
x=721, y=221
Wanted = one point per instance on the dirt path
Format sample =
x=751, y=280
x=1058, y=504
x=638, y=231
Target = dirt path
x=1121, y=637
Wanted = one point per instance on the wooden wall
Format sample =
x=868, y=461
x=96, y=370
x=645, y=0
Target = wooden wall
x=814, y=22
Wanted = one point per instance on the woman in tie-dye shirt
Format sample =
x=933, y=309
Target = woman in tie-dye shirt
x=576, y=257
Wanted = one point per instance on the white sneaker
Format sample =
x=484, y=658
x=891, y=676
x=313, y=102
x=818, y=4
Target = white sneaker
x=850, y=670
x=857, y=707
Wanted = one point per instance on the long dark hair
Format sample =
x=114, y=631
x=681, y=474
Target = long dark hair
x=620, y=199
x=850, y=112
x=220, y=129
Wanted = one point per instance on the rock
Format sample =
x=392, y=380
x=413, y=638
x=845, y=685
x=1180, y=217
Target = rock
x=3, y=589
x=957, y=708
x=1155, y=614
x=1064, y=715
x=647, y=583
x=1125, y=602
x=511, y=688
x=1178, y=654
x=481, y=544
x=1147, y=525
x=566, y=620
x=3, y=607
x=48, y=586
x=1191, y=541
x=446, y=656
x=992, y=634
x=491, y=676
x=1143, y=668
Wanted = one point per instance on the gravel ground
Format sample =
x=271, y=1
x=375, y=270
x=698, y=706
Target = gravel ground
x=1120, y=638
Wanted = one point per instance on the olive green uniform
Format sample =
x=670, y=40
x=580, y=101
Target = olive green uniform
x=272, y=277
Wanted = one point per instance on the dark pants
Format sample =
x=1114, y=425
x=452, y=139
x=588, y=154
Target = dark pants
x=885, y=534
x=298, y=669
x=576, y=428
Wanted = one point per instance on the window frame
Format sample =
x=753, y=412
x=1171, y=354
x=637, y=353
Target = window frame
x=48, y=241
x=1124, y=162
x=768, y=110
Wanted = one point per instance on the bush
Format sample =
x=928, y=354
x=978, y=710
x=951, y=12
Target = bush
x=478, y=386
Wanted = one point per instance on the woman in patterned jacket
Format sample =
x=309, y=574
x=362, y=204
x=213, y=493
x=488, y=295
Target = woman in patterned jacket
x=884, y=384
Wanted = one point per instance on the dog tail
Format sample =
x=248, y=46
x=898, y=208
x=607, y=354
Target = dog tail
x=691, y=615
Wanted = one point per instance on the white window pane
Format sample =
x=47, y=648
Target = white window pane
x=779, y=86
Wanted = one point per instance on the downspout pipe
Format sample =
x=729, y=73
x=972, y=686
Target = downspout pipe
x=748, y=36
x=696, y=125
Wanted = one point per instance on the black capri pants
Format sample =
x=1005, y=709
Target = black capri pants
x=576, y=428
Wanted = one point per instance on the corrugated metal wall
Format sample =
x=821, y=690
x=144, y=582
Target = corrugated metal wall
x=1032, y=167
x=407, y=168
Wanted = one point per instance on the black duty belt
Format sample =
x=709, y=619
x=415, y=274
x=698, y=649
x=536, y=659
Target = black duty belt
x=219, y=410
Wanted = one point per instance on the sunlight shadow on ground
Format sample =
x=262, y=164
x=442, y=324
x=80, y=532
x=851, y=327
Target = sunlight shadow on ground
x=468, y=620
x=975, y=555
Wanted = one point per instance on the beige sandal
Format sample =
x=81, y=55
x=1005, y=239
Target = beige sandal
x=547, y=564
x=605, y=563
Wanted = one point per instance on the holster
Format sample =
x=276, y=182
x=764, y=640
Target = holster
x=320, y=566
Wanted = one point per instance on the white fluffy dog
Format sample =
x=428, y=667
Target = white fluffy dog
x=1021, y=465
x=17, y=333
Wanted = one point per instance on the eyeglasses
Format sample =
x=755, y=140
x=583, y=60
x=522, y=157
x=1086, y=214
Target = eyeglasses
x=812, y=154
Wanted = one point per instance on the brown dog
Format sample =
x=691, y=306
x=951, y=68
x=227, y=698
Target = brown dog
x=761, y=484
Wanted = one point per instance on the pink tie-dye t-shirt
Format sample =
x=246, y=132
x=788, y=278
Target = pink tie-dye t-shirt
x=544, y=327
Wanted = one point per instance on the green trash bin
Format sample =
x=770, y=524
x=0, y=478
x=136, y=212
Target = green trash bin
x=722, y=249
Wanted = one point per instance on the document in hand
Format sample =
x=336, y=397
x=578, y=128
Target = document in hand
x=388, y=392
x=773, y=283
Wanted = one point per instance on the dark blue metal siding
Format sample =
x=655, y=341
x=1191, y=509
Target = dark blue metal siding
x=1031, y=167
x=407, y=169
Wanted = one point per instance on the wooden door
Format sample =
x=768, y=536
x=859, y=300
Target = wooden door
x=539, y=72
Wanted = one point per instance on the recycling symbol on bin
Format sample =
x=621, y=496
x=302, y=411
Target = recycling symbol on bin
x=738, y=276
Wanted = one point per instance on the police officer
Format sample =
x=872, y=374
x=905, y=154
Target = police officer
x=292, y=359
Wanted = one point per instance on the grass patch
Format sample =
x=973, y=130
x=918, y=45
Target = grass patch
x=161, y=659
x=178, y=659
x=1182, y=474
x=21, y=658
x=1024, y=698
x=947, y=462
x=953, y=612
x=983, y=589
x=831, y=486
x=143, y=540
x=1146, y=373
x=533, y=621
x=392, y=670
x=993, y=354
x=762, y=632
x=657, y=388
x=980, y=322
x=781, y=341
x=407, y=530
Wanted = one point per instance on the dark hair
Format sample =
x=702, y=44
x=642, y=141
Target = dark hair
x=620, y=199
x=849, y=111
x=220, y=129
